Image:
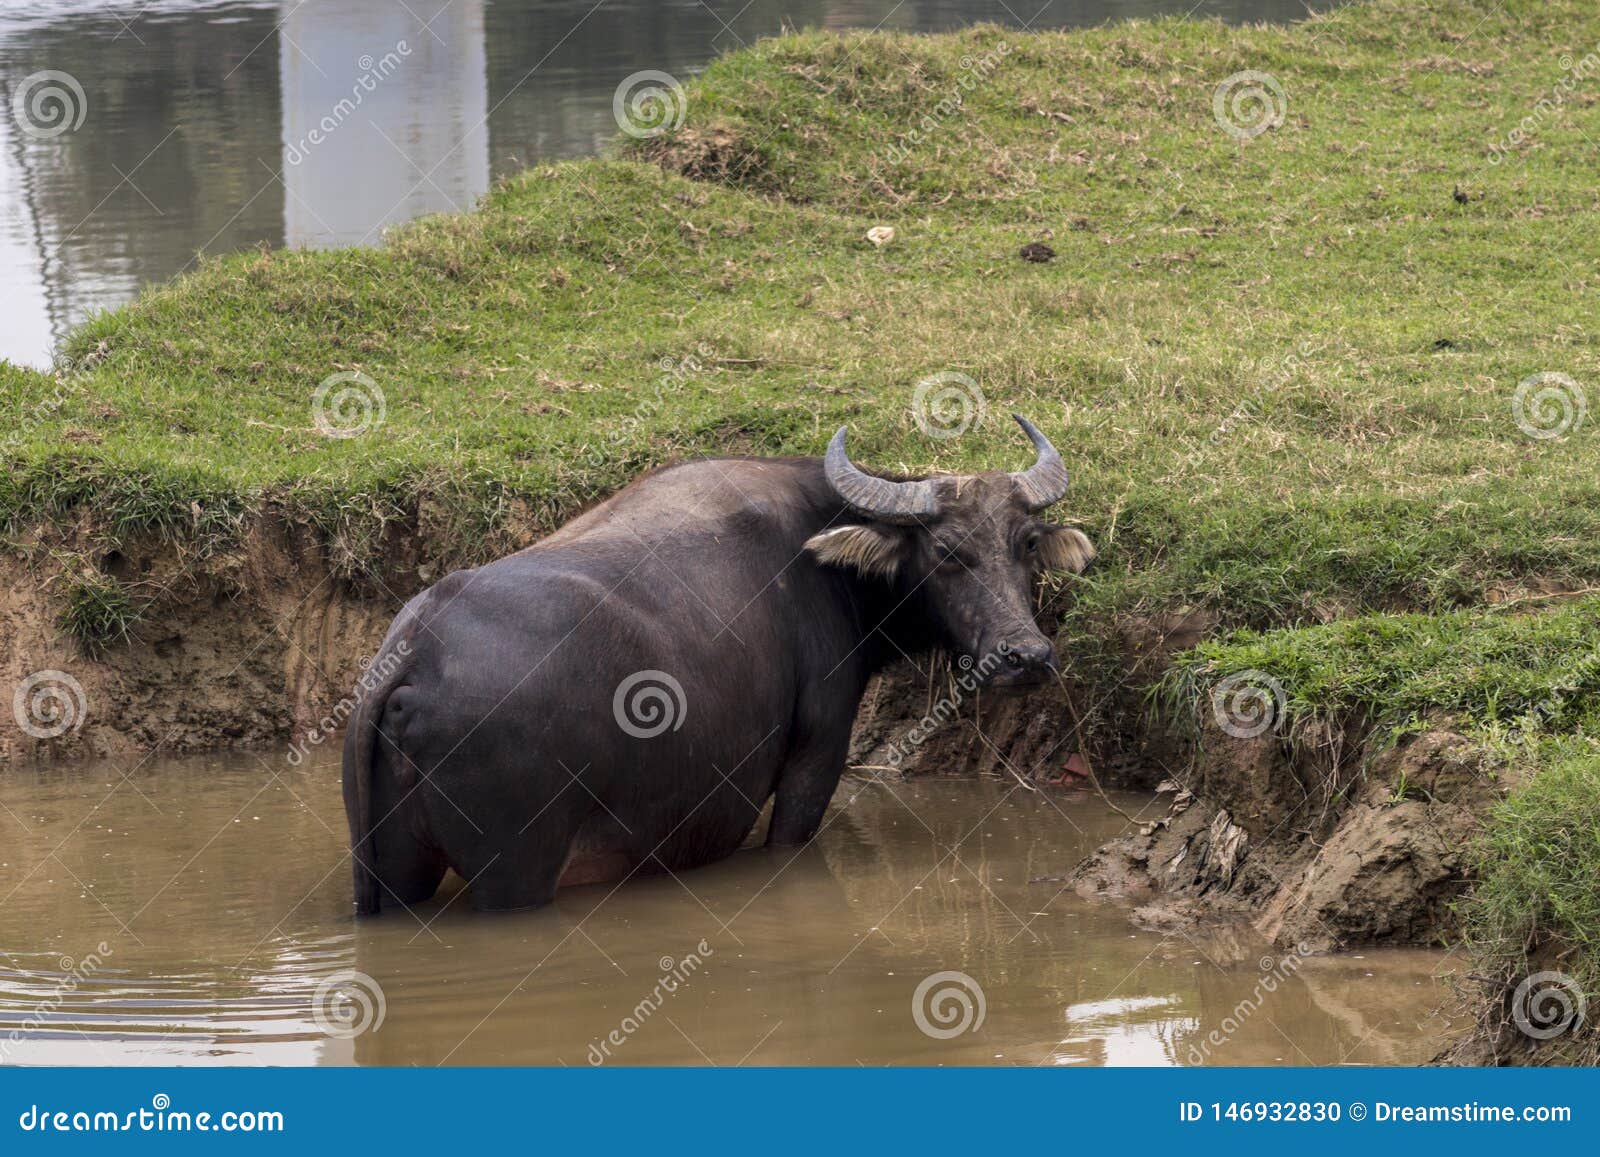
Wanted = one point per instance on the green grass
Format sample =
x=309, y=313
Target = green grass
x=1539, y=860
x=1535, y=905
x=1282, y=369
x=96, y=610
x=1501, y=674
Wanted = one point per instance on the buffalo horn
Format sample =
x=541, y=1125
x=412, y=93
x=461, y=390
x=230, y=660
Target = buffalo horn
x=1045, y=482
x=879, y=498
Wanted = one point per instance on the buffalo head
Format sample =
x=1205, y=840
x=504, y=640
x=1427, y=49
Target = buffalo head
x=962, y=549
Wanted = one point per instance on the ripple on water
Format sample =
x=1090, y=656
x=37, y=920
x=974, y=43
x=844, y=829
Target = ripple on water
x=91, y=1011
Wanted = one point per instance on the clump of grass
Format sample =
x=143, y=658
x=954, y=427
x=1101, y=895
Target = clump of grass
x=1498, y=673
x=1535, y=905
x=96, y=609
x=1538, y=862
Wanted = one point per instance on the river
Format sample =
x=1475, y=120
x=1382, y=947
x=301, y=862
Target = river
x=197, y=911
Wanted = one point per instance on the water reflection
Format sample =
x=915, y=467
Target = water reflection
x=199, y=112
x=385, y=116
x=176, y=155
x=1124, y=1030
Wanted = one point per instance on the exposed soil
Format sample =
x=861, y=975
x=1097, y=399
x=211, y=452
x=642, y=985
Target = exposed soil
x=238, y=650
x=1306, y=847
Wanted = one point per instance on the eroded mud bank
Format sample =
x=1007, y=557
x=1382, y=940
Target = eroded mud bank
x=248, y=647
x=1307, y=848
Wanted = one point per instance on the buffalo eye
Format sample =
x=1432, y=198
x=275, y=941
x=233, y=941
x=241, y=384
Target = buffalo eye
x=1032, y=544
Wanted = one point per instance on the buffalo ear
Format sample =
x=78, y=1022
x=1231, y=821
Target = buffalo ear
x=1065, y=548
x=873, y=551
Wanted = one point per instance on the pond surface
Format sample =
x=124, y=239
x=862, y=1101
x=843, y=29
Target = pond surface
x=187, y=121
x=196, y=911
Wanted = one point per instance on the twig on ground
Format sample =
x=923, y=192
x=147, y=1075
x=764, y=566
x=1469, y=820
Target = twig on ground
x=1088, y=766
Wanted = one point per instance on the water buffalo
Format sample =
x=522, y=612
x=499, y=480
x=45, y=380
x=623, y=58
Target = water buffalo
x=629, y=692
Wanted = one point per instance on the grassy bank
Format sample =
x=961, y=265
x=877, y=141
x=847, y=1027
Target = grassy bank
x=1282, y=366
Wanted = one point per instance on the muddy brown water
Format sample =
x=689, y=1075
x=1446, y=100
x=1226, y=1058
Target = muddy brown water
x=196, y=911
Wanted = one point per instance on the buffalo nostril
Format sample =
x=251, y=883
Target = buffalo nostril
x=1031, y=655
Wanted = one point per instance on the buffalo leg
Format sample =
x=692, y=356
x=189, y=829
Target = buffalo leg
x=805, y=785
x=408, y=871
x=408, y=868
x=528, y=869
